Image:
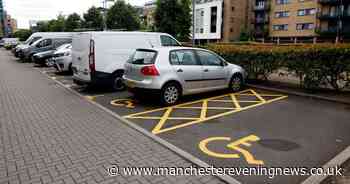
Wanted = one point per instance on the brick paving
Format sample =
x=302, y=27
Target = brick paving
x=49, y=135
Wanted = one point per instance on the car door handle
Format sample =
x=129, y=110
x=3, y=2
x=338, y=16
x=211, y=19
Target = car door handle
x=206, y=70
x=180, y=70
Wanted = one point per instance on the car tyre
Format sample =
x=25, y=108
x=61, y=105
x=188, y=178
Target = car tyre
x=170, y=94
x=118, y=82
x=236, y=83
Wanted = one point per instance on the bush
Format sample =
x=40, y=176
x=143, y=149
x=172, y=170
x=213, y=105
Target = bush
x=316, y=65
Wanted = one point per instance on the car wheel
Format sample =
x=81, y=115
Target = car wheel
x=236, y=83
x=118, y=82
x=170, y=94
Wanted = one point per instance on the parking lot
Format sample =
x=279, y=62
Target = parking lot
x=250, y=128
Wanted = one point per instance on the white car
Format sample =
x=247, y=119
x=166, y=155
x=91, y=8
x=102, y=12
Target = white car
x=63, y=58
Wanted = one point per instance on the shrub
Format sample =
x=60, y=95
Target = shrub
x=316, y=65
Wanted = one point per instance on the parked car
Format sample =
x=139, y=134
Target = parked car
x=42, y=58
x=17, y=51
x=10, y=43
x=63, y=58
x=99, y=57
x=174, y=71
x=45, y=44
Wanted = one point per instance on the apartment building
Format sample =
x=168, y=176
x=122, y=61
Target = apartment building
x=2, y=27
x=221, y=20
x=301, y=19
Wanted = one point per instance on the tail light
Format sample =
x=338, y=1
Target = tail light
x=150, y=70
x=92, y=56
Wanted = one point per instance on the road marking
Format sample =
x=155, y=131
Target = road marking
x=203, y=146
x=124, y=103
x=93, y=98
x=237, y=107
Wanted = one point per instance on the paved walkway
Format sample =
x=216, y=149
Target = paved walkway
x=49, y=135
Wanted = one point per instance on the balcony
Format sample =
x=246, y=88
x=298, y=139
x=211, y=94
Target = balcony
x=328, y=16
x=264, y=7
x=330, y=2
x=261, y=20
x=331, y=31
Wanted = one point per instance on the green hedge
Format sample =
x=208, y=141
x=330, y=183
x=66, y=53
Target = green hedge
x=316, y=65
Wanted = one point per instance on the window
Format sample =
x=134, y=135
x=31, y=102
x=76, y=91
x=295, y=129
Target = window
x=282, y=1
x=282, y=14
x=281, y=27
x=305, y=26
x=199, y=20
x=168, y=41
x=143, y=57
x=183, y=57
x=61, y=41
x=213, y=19
x=304, y=12
x=45, y=43
x=209, y=59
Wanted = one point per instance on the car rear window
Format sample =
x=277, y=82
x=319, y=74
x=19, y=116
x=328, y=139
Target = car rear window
x=143, y=57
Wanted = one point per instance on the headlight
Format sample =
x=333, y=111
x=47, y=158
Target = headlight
x=67, y=54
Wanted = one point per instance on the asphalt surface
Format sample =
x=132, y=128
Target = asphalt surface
x=281, y=130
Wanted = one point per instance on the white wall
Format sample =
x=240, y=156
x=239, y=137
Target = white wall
x=205, y=20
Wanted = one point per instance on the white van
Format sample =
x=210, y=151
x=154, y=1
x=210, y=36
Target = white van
x=99, y=57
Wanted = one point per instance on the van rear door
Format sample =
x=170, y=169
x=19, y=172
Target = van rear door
x=80, y=56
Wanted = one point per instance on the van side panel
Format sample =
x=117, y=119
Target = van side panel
x=112, y=51
x=80, y=56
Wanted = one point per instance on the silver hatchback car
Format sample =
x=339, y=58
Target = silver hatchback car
x=173, y=72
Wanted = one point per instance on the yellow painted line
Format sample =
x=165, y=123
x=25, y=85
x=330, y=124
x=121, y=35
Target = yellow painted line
x=158, y=118
x=217, y=116
x=209, y=108
x=234, y=99
x=181, y=105
x=258, y=96
x=204, y=109
x=230, y=101
x=92, y=98
x=203, y=146
x=162, y=121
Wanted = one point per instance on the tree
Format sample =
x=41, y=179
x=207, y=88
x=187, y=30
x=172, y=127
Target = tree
x=123, y=16
x=22, y=34
x=93, y=19
x=174, y=17
x=73, y=22
x=42, y=26
x=58, y=24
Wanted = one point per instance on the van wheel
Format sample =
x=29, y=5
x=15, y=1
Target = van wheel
x=118, y=82
x=236, y=83
x=170, y=94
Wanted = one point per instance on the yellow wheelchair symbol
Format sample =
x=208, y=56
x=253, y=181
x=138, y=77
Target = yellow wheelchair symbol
x=124, y=103
x=203, y=145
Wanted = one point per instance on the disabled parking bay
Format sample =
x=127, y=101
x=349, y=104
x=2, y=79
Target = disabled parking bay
x=246, y=129
x=250, y=128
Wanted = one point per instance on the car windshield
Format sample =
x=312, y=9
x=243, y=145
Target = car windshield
x=143, y=57
x=32, y=40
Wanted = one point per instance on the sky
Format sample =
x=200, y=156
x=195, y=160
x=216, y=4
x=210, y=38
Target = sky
x=25, y=10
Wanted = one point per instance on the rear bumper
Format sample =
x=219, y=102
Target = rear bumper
x=144, y=91
x=97, y=78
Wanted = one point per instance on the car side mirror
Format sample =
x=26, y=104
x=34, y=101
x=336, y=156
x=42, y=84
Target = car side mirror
x=223, y=63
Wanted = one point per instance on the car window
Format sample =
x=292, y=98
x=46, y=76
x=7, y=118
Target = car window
x=168, y=41
x=183, y=57
x=143, y=57
x=209, y=59
x=60, y=42
x=31, y=41
x=45, y=43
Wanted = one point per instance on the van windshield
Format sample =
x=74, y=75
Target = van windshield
x=32, y=40
x=143, y=57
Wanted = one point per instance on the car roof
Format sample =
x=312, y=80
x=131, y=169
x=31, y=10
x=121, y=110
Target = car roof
x=167, y=49
x=124, y=32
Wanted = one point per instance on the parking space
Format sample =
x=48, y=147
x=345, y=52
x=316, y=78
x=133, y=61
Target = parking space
x=250, y=128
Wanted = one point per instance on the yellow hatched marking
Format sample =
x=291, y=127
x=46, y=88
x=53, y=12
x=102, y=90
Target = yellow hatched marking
x=203, y=116
x=204, y=109
x=234, y=99
x=162, y=121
